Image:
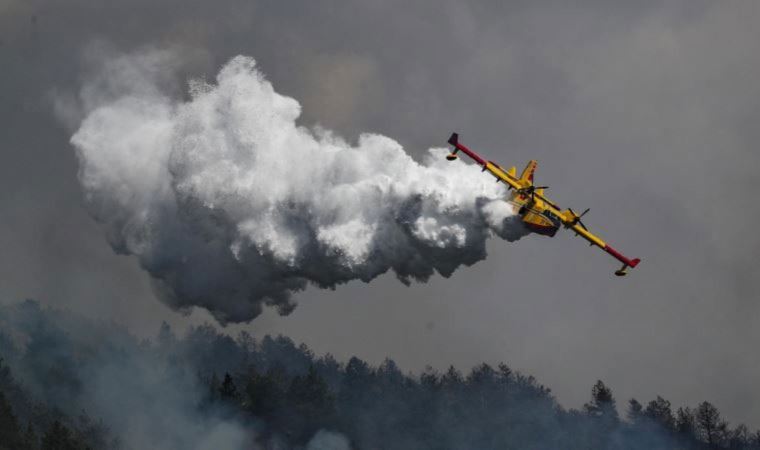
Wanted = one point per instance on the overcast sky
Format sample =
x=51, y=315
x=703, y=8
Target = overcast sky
x=647, y=112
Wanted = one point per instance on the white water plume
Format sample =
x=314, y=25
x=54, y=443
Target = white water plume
x=230, y=204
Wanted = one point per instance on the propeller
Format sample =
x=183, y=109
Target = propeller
x=531, y=190
x=577, y=219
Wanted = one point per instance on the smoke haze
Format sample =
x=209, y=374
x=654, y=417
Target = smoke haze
x=230, y=204
x=646, y=112
x=205, y=390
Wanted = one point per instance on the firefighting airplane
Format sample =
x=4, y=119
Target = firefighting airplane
x=539, y=214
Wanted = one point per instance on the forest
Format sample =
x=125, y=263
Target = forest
x=69, y=382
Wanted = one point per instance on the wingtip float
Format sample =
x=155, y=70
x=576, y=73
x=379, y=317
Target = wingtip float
x=538, y=213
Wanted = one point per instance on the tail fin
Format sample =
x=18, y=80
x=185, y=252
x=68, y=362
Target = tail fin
x=530, y=169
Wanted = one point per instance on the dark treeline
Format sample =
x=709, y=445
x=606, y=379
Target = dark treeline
x=71, y=383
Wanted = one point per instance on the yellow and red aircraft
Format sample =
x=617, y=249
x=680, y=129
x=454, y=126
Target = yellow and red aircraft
x=539, y=214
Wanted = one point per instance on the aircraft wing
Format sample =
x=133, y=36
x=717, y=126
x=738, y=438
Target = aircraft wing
x=525, y=183
x=573, y=222
x=500, y=174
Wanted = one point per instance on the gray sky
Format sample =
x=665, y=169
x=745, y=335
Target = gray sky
x=645, y=111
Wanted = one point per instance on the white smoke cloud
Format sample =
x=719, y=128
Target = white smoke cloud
x=231, y=205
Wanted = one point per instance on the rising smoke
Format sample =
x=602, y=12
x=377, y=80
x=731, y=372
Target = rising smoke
x=230, y=204
x=146, y=395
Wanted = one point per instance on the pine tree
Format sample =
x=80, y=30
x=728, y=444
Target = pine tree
x=505, y=374
x=635, y=411
x=685, y=423
x=30, y=438
x=659, y=411
x=601, y=409
x=739, y=438
x=10, y=432
x=311, y=403
x=58, y=437
x=228, y=391
x=264, y=393
x=602, y=402
x=709, y=424
x=452, y=380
